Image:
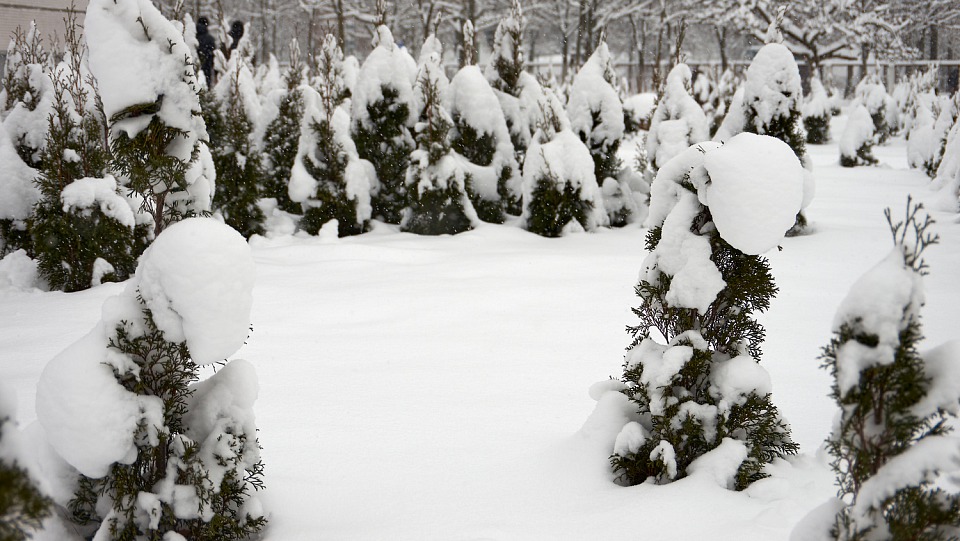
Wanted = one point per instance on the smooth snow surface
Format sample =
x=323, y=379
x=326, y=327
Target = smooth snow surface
x=434, y=388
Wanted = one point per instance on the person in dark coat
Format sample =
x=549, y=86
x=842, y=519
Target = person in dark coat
x=236, y=32
x=205, y=49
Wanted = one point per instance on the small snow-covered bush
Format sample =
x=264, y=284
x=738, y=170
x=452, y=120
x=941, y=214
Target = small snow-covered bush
x=891, y=443
x=947, y=180
x=678, y=121
x=328, y=179
x=873, y=95
x=596, y=116
x=857, y=139
x=83, y=230
x=692, y=375
x=159, y=454
x=436, y=184
x=237, y=159
x=282, y=135
x=560, y=190
x=382, y=117
x=816, y=114
x=480, y=135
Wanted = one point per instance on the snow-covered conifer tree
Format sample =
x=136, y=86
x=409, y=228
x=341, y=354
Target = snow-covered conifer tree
x=283, y=133
x=83, y=230
x=678, y=121
x=722, y=98
x=926, y=143
x=596, y=116
x=873, y=95
x=328, y=179
x=702, y=390
x=437, y=184
x=27, y=95
x=149, y=90
x=816, y=114
x=856, y=143
x=947, y=180
x=382, y=117
x=506, y=75
x=23, y=507
x=560, y=191
x=891, y=442
x=237, y=158
x=479, y=134
x=161, y=455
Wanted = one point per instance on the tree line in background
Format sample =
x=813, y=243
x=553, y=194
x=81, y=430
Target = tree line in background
x=640, y=33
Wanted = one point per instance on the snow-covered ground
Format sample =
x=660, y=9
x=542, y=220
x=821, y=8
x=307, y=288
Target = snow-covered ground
x=424, y=388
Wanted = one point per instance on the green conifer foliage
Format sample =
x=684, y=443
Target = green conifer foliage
x=380, y=127
x=386, y=145
x=22, y=506
x=81, y=243
x=818, y=129
x=282, y=136
x=166, y=371
x=328, y=160
x=505, y=73
x=237, y=161
x=684, y=405
x=889, y=423
x=554, y=204
x=435, y=185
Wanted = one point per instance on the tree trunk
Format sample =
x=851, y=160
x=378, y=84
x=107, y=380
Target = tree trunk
x=722, y=46
x=934, y=42
x=341, y=25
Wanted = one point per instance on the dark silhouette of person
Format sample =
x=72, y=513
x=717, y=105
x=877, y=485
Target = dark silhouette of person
x=205, y=49
x=236, y=32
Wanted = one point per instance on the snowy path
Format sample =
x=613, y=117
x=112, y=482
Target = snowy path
x=432, y=388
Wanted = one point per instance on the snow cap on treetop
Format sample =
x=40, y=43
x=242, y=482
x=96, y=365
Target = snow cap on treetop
x=755, y=191
x=139, y=59
x=197, y=280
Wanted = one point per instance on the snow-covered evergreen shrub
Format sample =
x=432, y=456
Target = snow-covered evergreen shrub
x=237, y=159
x=871, y=93
x=771, y=100
x=678, y=121
x=328, y=179
x=23, y=507
x=722, y=98
x=637, y=110
x=560, y=191
x=149, y=87
x=506, y=75
x=933, y=117
x=27, y=95
x=596, y=116
x=947, y=180
x=480, y=135
x=281, y=139
x=856, y=143
x=437, y=186
x=816, y=114
x=159, y=454
x=382, y=117
x=890, y=444
x=83, y=230
x=702, y=389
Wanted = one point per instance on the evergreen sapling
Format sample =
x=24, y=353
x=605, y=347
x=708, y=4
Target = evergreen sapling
x=702, y=388
x=282, y=135
x=892, y=440
x=84, y=232
x=436, y=184
x=328, y=179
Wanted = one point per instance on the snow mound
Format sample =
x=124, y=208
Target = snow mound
x=755, y=192
x=18, y=271
x=86, y=193
x=197, y=280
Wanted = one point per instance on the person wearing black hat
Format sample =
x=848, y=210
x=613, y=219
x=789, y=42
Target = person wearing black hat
x=205, y=48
